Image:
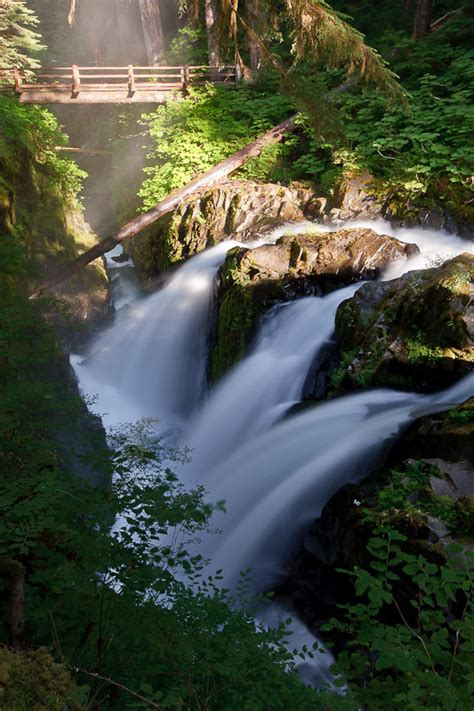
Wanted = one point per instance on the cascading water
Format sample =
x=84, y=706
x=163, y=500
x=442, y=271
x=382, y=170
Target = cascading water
x=435, y=246
x=155, y=356
x=275, y=478
x=258, y=391
x=277, y=484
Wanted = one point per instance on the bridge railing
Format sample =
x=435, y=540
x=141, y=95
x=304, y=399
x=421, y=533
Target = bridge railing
x=75, y=79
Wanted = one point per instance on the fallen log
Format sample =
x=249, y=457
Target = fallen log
x=138, y=224
x=440, y=22
x=86, y=151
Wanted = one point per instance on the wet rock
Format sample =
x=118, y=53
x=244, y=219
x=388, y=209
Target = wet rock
x=445, y=437
x=437, y=530
x=356, y=199
x=415, y=332
x=242, y=209
x=252, y=280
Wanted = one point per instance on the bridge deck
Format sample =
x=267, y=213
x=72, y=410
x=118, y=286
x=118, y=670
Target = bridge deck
x=110, y=85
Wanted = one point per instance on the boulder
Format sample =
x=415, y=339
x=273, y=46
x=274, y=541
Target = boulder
x=355, y=198
x=241, y=209
x=415, y=332
x=252, y=280
x=445, y=436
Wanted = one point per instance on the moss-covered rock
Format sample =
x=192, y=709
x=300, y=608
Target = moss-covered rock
x=33, y=680
x=252, y=280
x=447, y=435
x=415, y=332
x=239, y=208
x=49, y=224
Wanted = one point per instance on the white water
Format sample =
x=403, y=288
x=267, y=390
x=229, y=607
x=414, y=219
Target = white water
x=259, y=390
x=436, y=246
x=154, y=357
x=277, y=484
x=275, y=478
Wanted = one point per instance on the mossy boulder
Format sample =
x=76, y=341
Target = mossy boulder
x=447, y=435
x=32, y=679
x=242, y=209
x=252, y=280
x=414, y=333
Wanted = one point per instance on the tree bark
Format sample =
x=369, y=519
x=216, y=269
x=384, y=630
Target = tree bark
x=152, y=30
x=423, y=15
x=210, y=15
x=16, y=613
x=255, y=51
x=206, y=180
x=130, y=32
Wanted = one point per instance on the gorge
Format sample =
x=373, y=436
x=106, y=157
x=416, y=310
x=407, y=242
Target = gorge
x=237, y=449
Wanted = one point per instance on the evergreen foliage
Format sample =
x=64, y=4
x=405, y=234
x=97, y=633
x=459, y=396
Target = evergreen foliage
x=18, y=38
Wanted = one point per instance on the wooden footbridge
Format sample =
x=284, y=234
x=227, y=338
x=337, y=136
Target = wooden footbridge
x=111, y=85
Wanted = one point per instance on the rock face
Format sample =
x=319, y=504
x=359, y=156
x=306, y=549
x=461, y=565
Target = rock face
x=355, y=199
x=239, y=208
x=446, y=435
x=415, y=332
x=252, y=280
x=52, y=231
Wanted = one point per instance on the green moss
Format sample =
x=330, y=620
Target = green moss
x=405, y=493
x=33, y=680
x=460, y=415
x=340, y=373
x=418, y=350
x=235, y=325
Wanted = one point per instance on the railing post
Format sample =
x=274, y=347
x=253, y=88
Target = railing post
x=76, y=80
x=18, y=80
x=238, y=74
x=186, y=77
x=131, y=80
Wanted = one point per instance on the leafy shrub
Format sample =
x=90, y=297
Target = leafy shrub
x=35, y=131
x=191, y=136
x=410, y=635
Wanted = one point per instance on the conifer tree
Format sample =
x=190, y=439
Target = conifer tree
x=319, y=35
x=18, y=38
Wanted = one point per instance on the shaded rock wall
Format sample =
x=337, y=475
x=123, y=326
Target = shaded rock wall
x=51, y=229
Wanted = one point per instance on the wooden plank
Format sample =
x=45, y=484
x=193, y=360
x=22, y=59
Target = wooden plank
x=18, y=80
x=76, y=79
x=95, y=97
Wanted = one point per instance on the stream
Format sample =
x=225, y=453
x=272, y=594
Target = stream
x=274, y=473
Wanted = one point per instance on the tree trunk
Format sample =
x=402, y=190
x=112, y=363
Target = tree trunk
x=423, y=14
x=206, y=180
x=152, y=30
x=210, y=14
x=16, y=614
x=255, y=51
x=130, y=33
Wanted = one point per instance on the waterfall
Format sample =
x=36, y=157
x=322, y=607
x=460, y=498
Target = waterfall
x=436, y=246
x=275, y=485
x=259, y=390
x=152, y=361
x=275, y=475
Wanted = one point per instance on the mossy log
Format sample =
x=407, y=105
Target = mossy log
x=138, y=224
